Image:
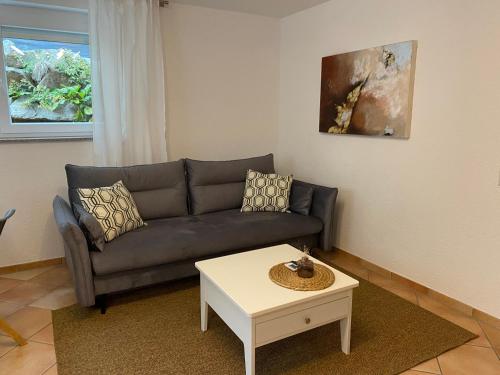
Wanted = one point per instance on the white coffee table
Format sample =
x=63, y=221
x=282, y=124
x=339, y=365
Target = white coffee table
x=239, y=290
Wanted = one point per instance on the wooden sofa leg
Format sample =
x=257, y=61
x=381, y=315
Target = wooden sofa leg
x=102, y=303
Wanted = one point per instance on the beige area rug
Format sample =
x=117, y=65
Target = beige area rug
x=157, y=331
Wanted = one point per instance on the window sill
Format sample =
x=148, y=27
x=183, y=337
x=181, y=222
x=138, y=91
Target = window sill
x=48, y=138
x=39, y=132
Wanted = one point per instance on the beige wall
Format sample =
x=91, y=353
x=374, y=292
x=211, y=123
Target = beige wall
x=428, y=207
x=32, y=173
x=222, y=70
x=222, y=82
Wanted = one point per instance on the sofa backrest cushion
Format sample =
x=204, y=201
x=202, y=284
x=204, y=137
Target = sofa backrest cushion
x=219, y=185
x=159, y=190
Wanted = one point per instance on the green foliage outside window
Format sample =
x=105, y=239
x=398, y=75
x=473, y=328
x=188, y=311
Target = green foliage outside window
x=72, y=89
x=75, y=67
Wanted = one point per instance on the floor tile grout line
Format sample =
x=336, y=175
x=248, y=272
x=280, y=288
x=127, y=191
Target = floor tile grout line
x=497, y=352
x=446, y=306
x=48, y=368
x=3, y=334
x=418, y=301
x=12, y=287
x=440, y=368
x=433, y=299
x=28, y=341
x=30, y=280
x=492, y=325
x=12, y=313
x=368, y=279
x=485, y=333
x=478, y=346
x=29, y=338
x=39, y=342
x=424, y=372
x=55, y=364
x=11, y=349
x=30, y=269
x=483, y=322
x=49, y=290
x=349, y=261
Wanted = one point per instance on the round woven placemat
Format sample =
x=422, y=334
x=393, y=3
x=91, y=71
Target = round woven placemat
x=323, y=277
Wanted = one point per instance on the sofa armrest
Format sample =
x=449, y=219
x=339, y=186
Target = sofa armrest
x=323, y=206
x=77, y=252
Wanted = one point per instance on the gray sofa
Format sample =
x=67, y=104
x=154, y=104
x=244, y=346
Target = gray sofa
x=192, y=209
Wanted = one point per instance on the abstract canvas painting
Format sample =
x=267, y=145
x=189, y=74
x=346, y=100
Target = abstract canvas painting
x=369, y=92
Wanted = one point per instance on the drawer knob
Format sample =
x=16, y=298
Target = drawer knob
x=308, y=320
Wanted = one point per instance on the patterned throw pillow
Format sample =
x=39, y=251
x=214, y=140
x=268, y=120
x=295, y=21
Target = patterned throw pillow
x=113, y=207
x=266, y=192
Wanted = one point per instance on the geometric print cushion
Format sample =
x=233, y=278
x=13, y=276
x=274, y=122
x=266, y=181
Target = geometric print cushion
x=266, y=192
x=113, y=207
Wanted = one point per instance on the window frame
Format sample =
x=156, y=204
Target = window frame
x=37, y=130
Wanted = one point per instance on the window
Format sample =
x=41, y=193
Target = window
x=46, y=90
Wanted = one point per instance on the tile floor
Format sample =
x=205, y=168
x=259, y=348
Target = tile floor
x=480, y=356
x=27, y=297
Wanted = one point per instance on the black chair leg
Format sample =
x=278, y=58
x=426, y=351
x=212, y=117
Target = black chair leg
x=102, y=303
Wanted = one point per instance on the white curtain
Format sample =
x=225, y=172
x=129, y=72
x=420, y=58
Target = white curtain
x=127, y=82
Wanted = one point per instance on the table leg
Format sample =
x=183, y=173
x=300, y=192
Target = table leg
x=345, y=334
x=345, y=330
x=203, y=305
x=249, y=359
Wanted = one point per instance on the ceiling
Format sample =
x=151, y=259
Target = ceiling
x=270, y=8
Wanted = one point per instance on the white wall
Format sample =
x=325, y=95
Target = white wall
x=429, y=207
x=32, y=173
x=222, y=88
x=222, y=82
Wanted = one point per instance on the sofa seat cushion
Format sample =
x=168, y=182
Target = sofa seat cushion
x=189, y=237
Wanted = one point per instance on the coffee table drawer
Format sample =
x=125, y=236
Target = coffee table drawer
x=291, y=324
